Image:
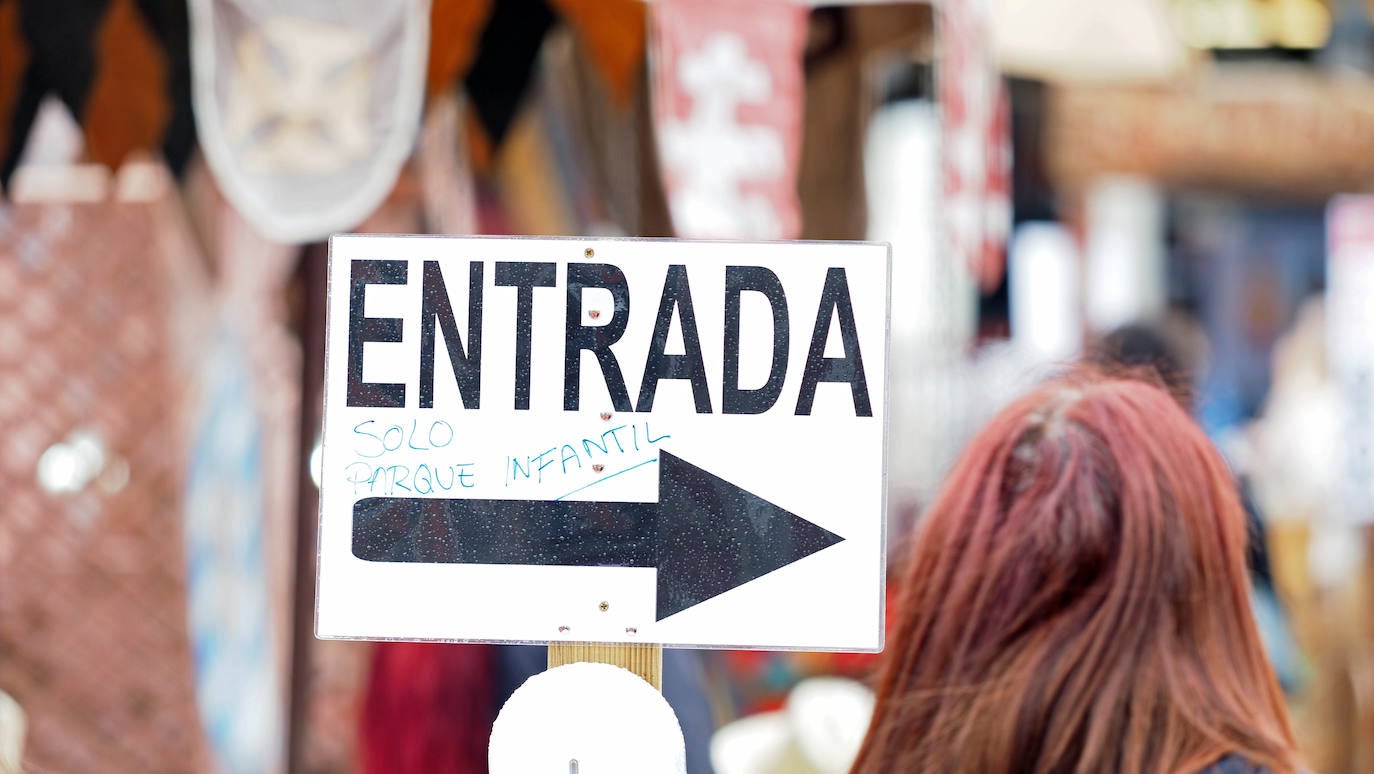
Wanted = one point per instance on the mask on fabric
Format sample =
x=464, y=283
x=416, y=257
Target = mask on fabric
x=307, y=109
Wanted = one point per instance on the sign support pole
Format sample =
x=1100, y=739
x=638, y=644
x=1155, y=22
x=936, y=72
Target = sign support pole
x=645, y=660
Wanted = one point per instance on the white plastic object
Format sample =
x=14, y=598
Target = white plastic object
x=587, y=718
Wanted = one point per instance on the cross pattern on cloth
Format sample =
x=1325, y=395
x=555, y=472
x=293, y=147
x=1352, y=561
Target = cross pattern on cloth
x=728, y=115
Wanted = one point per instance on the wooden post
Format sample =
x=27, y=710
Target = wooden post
x=644, y=660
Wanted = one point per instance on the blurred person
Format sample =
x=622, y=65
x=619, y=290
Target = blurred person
x=1076, y=600
x=1299, y=443
x=1172, y=353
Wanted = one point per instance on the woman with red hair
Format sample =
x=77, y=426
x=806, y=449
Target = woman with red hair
x=1076, y=600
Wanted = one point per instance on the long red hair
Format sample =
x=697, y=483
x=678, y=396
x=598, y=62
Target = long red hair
x=1076, y=600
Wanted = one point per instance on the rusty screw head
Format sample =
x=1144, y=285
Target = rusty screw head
x=631, y=630
x=605, y=416
x=589, y=253
x=593, y=313
x=562, y=628
x=598, y=467
x=604, y=606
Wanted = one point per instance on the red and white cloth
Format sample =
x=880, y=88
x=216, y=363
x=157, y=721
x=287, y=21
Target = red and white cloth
x=975, y=122
x=728, y=100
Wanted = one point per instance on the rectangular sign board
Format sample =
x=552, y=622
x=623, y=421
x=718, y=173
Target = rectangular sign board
x=610, y=440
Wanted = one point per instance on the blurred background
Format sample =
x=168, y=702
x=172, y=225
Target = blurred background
x=1188, y=178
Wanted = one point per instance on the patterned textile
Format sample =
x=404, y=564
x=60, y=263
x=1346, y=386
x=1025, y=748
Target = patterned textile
x=728, y=88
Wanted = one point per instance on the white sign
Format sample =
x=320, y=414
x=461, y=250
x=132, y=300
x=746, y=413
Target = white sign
x=605, y=440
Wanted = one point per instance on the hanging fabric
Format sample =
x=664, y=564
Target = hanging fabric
x=492, y=48
x=428, y=709
x=612, y=31
x=242, y=397
x=446, y=186
x=99, y=314
x=169, y=24
x=307, y=109
x=120, y=67
x=58, y=43
x=611, y=162
x=14, y=64
x=843, y=46
x=455, y=26
x=975, y=120
x=501, y=72
x=121, y=111
x=728, y=111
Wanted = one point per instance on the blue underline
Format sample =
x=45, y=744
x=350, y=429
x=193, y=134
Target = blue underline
x=604, y=479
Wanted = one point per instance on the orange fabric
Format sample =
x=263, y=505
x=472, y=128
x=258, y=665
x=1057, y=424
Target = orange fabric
x=613, y=32
x=455, y=28
x=127, y=109
x=14, y=60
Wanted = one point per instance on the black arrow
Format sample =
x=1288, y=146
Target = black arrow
x=705, y=535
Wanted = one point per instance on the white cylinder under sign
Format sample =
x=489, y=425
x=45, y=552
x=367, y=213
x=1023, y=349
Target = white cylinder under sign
x=587, y=718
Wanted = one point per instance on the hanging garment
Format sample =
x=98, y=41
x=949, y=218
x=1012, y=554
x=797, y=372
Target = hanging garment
x=243, y=393
x=492, y=48
x=307, y=109
x=120, y=67
x=170, y=26
x=455, y=26
x=613, y=33
x=975, y=118
x=501, y=72
x=227, y=528
x=428, y=709
x=121, y=110
x=843, y=46
x=92, y=560
x=609, y=156
x=446, y=186
x=58, y=39
x=728, y=111
x=14, y=63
